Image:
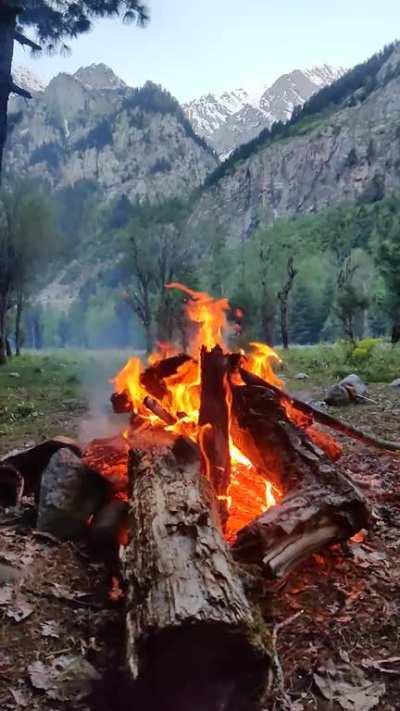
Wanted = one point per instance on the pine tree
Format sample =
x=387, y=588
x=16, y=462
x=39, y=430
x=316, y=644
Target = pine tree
x=53, y=23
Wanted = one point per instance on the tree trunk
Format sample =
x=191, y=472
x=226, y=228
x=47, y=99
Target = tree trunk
x=395, y=336
x=7, y=28
x=148, y=337
x=283, y=297
x=193, y=641
x=18, y=317
x=268, y=323
x=8, y=348
x=3, y=346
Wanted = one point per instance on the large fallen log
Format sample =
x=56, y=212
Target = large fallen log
x=193, y=641
x=318, y=505
x=323, y=418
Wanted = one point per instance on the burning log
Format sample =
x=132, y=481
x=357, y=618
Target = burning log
x=214, y=419
x=153, y=377
x=159, y=410
x=192, y=637
x=121, y=402
x=321, y=417
x=319, y=505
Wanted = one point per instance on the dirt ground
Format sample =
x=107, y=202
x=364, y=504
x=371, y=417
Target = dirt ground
x=336, y=620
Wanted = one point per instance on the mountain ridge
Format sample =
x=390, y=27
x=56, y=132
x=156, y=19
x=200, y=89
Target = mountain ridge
x=343, y=146
x=229, y=119
x=90, y=127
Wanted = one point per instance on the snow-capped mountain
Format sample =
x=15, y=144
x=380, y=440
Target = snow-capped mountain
x=94, y=77
x=26, y=79
x=234, y=117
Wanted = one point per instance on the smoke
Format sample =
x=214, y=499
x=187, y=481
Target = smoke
x=99, y=420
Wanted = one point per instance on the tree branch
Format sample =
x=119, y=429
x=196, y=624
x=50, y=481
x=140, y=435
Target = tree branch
x=21, y=92
x=19, y=37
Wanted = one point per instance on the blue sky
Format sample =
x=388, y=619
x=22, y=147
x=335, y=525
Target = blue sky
x=192, y=46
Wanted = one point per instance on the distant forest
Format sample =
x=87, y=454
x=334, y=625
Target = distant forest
x=116, y=259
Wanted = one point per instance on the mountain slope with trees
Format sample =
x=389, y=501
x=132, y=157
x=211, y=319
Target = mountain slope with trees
x=52, y=24
x=91, y=127
x=343, y=145
x=228, y=120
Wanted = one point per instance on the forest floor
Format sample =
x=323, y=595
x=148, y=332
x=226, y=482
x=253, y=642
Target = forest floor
x=337, y=619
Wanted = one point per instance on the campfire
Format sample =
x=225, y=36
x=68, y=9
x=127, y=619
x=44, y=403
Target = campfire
x=220, y=401
x=217, y=473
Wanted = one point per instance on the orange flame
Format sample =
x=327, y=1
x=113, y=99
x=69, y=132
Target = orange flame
x=209, y=314
x=260, y=360
x=250, y=492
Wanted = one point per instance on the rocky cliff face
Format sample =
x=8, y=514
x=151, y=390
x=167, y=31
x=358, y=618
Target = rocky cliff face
x=235, y=117
x=352, y=154
x=91, y=127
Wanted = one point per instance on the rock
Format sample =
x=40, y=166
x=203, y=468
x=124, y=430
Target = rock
x=337, y=395
x=69, y=494
x=301, y=376
x=14, y=375
x=395, y=383
x=355, y=385
x=33, y=460
x=348, y=390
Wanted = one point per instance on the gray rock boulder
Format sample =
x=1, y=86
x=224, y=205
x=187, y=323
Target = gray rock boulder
x=301, y=376
x=350, y=389
x=395, y=384
x=69, y=494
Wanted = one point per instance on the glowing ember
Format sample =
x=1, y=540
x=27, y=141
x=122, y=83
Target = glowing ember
x=115, y=593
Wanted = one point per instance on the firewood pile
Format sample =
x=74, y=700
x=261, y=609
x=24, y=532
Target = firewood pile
x=219, y=483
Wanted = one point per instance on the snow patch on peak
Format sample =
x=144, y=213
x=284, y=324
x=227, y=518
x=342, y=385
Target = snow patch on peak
x=27, y=79
x=324, y=75
x=233, y=117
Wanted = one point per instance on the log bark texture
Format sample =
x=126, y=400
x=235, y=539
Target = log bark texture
x=318, y=505
x=193, y=641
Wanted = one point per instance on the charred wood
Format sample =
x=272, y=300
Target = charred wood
x=153, y=377
x=322, y=417
x=318, y=505
x=11, y=486
x=214, y=418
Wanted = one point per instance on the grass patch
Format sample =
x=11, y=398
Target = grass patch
x=327, y=363
x=46, y=394
x=37, y=393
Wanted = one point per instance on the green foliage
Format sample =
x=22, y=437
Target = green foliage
x=326, y=363
x=364, y=349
